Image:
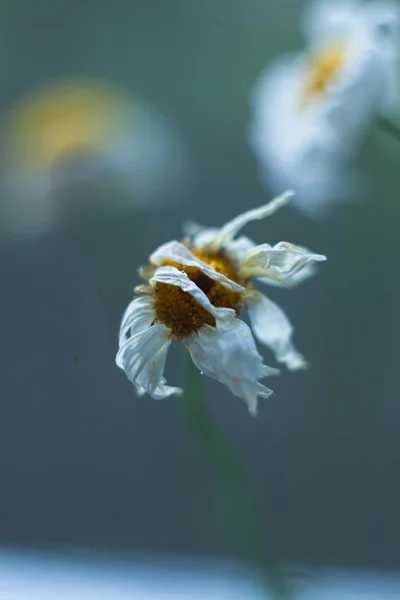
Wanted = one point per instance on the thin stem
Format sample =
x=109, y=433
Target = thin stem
x=239, y=506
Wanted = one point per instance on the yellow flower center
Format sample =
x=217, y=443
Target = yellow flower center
x=324, y=68
x=180, y=312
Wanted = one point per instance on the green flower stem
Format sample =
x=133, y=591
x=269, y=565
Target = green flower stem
x=238, y=505
x=390, y=127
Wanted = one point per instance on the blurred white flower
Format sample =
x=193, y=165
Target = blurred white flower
x=76, y=132
x=311, y=110
x=194, y=293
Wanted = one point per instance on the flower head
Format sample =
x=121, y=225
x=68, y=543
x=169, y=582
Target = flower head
x=194, y=293
x=311, y=110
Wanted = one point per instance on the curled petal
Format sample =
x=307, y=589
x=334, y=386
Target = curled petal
x=228, y=353
x=140, y=314
x=272, y=328
x=138, y=349
x=226, y=234
x=308, y=271
x=279, y=263
x=172, y=276
x=142, y=357
x=152, y=373
x=179, y=253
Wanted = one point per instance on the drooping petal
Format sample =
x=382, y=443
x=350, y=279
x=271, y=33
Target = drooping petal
x=153, y=372
x=140, y=314
x=228, y=353
x=142, y=357
x=272, y=328
x=280, y=263
x=162, y=390
x=180, y=254
x=172, y=276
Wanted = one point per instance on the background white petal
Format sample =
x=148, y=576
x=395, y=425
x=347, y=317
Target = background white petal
x=335, y=19
x=228, y=353
x=322, y=19
x=355, y=99
x=293, y=148
x=272, y=327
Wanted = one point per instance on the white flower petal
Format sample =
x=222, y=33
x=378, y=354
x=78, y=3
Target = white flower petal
x=354, y=100
x=273, y=328
x=151, y=378
x=280, y=263
x=172, y=276
x=139, y=314
x=162, y=391
x=308, y=271
x=179, y=253
x=308, y=146
x=228, y=353
x=327, y=19
x=226, y=234
x=195, y=230
x=203, y=238
x=340, y=19
x=237, y=249
x=294, y=148
x=142, y=357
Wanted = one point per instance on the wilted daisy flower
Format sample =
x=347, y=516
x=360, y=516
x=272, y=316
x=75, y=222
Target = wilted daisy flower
x=75, y=132
x=311, y=110
x=194, y=293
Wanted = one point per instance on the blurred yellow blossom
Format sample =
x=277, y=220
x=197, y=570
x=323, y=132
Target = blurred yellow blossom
x=65, y=119
x=77, y=131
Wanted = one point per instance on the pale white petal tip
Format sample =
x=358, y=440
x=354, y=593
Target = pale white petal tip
x=270, y=371
x=286, y=196
x=297, y=362
x=160, y=392
x=276, y=203
x=262, y=392
x=253, y=410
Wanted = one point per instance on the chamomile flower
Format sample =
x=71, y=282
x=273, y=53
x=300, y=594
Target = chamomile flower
x=311, y=110
x=194, y=293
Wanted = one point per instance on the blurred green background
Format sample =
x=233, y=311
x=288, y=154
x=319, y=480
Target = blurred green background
x=83, y=461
